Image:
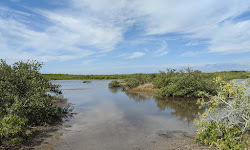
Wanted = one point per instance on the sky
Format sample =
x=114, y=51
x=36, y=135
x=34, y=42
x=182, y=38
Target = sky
x=126, y=36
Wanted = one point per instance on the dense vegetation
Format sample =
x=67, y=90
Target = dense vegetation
x=114, y=83
x=230, y=130
x=71, y=77
x=184, y=83
x=133, y=81
x=24, y=101
x=227, y=75
x=139, y=79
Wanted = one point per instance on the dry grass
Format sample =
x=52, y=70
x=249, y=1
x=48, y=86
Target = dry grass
x=145, y=88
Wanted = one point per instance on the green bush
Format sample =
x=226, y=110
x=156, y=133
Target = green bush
x=24, y=101
x=228, y=130
x=132, y=82
x=114, y=83
x=182, y=83
x=143, y=78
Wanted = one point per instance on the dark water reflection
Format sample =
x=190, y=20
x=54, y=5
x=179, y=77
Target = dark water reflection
x=115, y=89
x=120, y=120
x=185, y=109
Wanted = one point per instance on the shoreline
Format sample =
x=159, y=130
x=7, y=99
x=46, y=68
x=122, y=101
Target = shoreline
x=45, y=137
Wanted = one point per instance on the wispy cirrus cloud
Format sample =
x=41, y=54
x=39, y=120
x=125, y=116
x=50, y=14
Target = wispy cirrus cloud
x=210, y=20
x=87, y=29
x=193, y=53
x=192, y=43
x=162, y=50
x=136, y=55
x=61, y=33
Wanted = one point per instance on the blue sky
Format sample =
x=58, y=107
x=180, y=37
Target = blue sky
x=126, y=36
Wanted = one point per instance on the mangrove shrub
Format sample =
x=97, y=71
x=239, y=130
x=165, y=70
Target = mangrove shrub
x=114, y=83
x=132, y=82
x=24, y=101
x=184, y=83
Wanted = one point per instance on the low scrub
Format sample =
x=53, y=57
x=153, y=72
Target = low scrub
x=114, y=83
x=184, y=83
x=24, y=101
x=132, y=82
x=228, y=130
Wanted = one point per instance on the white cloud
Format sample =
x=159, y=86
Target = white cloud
x=162, y=51
x=166, y=16
x=66, y=34
x=88, y=27
x=136, y=55
x=123, y=55
x=192, y=44
x=84, y=30
x=203, y=66
x=200, y=19
x=193, y=53
x=205, y=19
x=231, y=38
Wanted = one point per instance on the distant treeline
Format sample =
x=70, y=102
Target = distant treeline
x=227, y=75
x=100, y=77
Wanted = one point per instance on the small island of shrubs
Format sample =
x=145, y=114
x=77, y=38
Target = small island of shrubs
x=182, y=83
x=114, y=83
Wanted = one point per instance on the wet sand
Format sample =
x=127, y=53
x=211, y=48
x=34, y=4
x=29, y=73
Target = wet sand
x=162, y=140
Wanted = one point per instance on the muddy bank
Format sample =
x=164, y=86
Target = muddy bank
x=161, y=140
x=44, y=137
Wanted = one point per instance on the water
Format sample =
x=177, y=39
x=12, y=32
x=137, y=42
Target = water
x=109, y=118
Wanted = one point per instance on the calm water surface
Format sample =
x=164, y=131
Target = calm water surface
x=109, y=118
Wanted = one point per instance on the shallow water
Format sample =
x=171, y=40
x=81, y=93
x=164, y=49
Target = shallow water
x=109, y=118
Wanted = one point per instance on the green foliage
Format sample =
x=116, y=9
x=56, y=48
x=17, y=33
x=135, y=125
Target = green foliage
x=139, y=79
x=71, y=77
x=11, y=126
x=143, y=78
x=132, y=82
x=229, y=75
x=226, y=75
x=114, y=83
x=24, y=100
x=86, y=81
x=181, y=83
x=228, y=130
